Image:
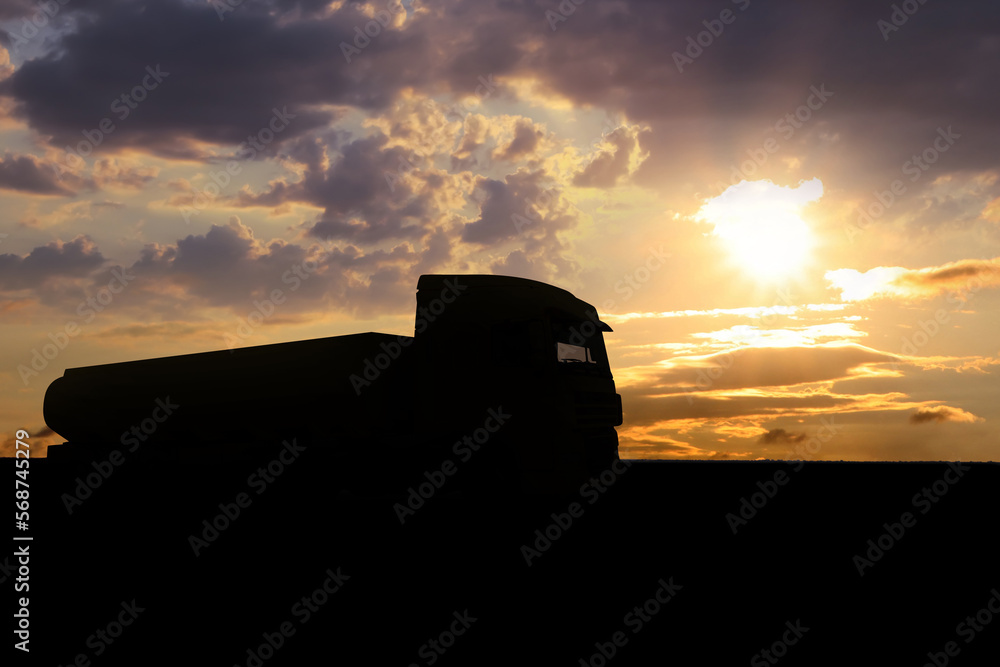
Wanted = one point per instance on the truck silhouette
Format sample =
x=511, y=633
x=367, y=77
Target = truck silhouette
x=503, y=375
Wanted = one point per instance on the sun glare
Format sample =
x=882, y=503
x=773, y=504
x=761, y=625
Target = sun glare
x=761, y=226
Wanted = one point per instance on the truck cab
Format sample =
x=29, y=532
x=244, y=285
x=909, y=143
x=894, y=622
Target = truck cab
x=532, y=348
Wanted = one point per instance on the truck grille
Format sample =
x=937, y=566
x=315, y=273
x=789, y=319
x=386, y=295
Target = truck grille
x=597, y=408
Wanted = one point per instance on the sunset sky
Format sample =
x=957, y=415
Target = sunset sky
x=789, y=212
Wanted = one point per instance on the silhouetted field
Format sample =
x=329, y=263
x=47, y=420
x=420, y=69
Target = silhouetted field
x=655, y=560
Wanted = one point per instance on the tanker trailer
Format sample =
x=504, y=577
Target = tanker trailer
x=517, y=364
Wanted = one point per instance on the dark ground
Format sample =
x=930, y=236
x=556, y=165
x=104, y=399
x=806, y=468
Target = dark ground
x=401, y=585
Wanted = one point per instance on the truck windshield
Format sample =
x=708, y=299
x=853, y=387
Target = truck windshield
x=573, y=353
x=579, y=344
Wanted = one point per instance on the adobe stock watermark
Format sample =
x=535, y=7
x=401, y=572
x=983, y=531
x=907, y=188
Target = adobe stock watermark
x=751, y=505
x=262, y=310
x=259, y=481
x=7, y=569
x=635, y=620
x=382, y=19
x=913, y=169
x=636, y=279
x=900, y=14
x=972, y=286
x=779, y=649
x=786, y=127
x=122, y=107
x=530, y=216
x=426, y=315
x=223, y=7
x=247, y=152
x=714, y=28
x=303, y=610
x=132, y=438
x=434, y=648
x=927, y=330
x=561, y=13
x=592, y=490
x=640, y=275
x=30, y=28
x=611, y=123
x=104, y=637
x=968, y=629
x=87, y=310
x=464, y=449
x=894, y=532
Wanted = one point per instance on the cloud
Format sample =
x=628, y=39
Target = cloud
x=218, y=85
x=70, y=213
x=750, y=312
x=119, y=173
x=75, y=258
x=525, y=142
x=953, y=202
x=789, y=337
x=419, y=124
x=39, y=442
x=364, y=197
x=781, y=437
x=274, y=53
x=229, y=267
x=761, y=367
x=619, y=156
x=525, y=207
x=73, y=211
x=522, y=202
x=941, y=414
x=960, y=278
x=27, y=173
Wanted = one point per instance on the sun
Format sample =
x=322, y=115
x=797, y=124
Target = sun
x=769, y=243
x=761, y=227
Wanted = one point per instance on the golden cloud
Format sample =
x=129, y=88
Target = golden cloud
x=943, y=413
x=960, y=278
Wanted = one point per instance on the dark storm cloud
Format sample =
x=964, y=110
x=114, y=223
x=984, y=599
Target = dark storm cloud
x=890, y=95
x=220, y=79
x=501, y=199
x=76, y=258
x=883, y=100
x=519, y=204
x=767, y=46
x=361, y=204
x=26, y=173
x=222, y=266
